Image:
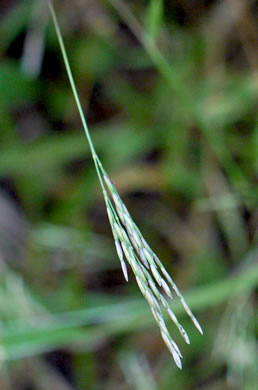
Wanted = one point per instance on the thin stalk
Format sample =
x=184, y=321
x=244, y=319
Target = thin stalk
x=95, y=157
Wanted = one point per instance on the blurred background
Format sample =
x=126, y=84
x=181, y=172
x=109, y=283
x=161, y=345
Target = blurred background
x=169, y=90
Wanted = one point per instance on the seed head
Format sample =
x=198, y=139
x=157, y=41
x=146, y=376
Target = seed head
x=151, y=276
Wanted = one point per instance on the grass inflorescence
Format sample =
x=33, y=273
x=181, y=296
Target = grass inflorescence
x=152, y=278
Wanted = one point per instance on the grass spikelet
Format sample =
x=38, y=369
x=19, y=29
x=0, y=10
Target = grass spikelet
x=129, y=242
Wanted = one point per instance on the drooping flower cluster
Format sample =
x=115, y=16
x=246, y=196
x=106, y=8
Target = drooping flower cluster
x=152, y=278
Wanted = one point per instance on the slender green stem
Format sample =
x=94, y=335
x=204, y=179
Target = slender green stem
x=69, y=72
x=95, y=157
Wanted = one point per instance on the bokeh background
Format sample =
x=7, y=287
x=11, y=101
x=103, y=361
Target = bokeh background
x=174, y=124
